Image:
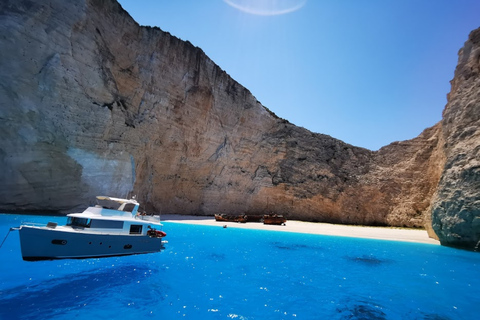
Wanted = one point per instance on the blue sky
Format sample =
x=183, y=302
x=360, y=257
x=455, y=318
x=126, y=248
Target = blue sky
x=368, y=72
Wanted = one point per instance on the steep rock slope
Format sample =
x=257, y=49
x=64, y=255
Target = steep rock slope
x=92, y=103
x=456, y=205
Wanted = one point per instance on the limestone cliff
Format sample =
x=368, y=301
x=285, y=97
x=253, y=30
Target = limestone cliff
x=92, y=103
x=456, y=205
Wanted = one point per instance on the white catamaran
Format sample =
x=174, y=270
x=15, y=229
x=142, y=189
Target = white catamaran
x=112, y=228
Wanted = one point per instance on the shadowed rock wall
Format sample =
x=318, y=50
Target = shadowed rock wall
x=92, y=103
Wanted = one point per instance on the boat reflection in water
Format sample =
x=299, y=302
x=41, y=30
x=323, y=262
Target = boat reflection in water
x=111, y=228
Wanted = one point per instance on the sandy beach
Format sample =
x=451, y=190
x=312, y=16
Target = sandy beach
x=381, y=233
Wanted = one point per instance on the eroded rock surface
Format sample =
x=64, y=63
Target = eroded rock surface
x=456, y=205
x=92, y=103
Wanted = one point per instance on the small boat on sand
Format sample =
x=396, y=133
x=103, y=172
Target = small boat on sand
x=112, y=228
x=231, y=218
x=221, y=217
x=276, y=219
x=243, y=218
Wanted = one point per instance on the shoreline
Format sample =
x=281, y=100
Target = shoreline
x=379, y=233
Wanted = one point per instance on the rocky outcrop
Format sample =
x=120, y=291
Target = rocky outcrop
x=92, y=103
x=456, y=204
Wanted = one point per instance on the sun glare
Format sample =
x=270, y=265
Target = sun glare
x=267, y=7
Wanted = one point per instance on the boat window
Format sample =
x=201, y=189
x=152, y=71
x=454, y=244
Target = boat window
x=135, y=229
x=128, y=207
x=106, y=224
x=78, y=222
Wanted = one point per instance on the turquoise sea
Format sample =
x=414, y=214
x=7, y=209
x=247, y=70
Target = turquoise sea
x=210, y=272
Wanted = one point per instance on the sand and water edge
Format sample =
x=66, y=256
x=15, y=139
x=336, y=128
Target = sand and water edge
x=379, y=233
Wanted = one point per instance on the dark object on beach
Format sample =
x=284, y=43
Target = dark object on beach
x=231, y=218
x=275, y=219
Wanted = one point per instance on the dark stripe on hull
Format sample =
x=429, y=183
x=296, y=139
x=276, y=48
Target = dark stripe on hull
x=79, y=258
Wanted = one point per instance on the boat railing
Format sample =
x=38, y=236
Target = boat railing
x=34, y=224
x=148, y=218
x=102, y=211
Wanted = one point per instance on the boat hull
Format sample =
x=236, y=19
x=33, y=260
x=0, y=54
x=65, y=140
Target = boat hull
x=274, y=219
x=41, y=243
x=231, y=218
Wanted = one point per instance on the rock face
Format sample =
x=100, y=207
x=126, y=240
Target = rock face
x=92, y=103
x=456, y=204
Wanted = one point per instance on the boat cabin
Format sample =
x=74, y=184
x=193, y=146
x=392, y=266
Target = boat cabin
x=113, y=215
